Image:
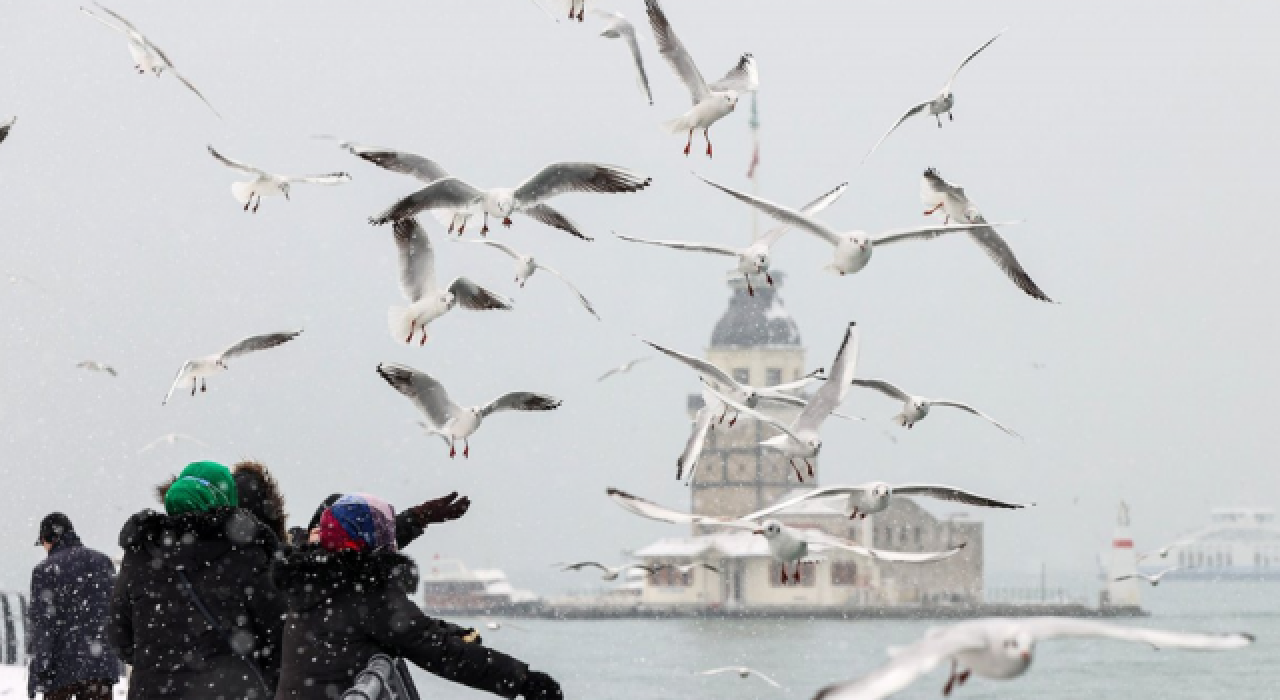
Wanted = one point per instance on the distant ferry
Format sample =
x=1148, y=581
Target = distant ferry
x=449, y=587
x=1238, y=544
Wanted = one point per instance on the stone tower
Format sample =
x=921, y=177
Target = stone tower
x=757, y=342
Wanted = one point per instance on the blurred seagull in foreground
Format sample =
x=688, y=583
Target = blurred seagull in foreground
x=199, y=369
x=171, y=439
x=6, y=127
x=851, y=250
x=267, y=184
x=427, y=300
x=95, y=366
x=1002, y=649
x=937, y=106
x=915, y=408
x=452, y=194
x=743, y=672
x=786, y=544
x=753, y=259
x=1153, y=579
x=620, y=27
x=711, y=102
x=525, y=266
x=937, y=193
x=446, y=418
x=874, y=497
x=146, y=55
x=624, y=368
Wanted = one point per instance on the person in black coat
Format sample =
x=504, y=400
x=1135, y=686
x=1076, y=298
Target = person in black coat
x=347, y=603
x=70, y=593
x=225, y=554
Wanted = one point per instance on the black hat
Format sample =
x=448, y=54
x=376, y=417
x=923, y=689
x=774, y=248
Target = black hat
x=52, y=528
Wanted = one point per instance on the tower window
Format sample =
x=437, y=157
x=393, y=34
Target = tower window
x=742, y=375
x=773, y=376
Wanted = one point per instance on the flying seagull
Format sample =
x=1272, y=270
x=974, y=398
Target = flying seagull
x=452, y=194
x=800, y=439
x=620, y=27
x=1002, y=649
x=874, y=497
x=937, y=106
x=170, y=439
x=743, y=672
x=611, y=573
x=95, y=366
x=6, y=127
x=263, y=183
x=526, y=266
x=197, y=370
x=1153, y=579
x=915, y=408
x=623, y=368
x=937, y=193
x=851, y=250
x=710, y=102
x=785, y=544
x=146, y=55
x=753, y=259
x=1163, y=552
x=446, y=418
x=427, y=301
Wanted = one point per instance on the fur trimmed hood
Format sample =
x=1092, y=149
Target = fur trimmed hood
x=310, y=574
x=222, y=528
x=260, y=494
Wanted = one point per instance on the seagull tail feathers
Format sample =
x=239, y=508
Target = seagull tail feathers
x=679, y=125
x=399, y=322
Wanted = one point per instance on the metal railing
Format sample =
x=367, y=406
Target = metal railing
x=383, y=679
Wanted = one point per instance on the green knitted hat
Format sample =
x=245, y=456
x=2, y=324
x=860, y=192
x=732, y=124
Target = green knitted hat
x=201, y=486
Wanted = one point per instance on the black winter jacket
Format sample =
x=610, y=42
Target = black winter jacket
x=346, y=607
x=226, y=554
x=70, y=594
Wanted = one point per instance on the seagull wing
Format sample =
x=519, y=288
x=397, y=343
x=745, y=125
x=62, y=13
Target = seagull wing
x=581, y=298
x=682, y=245
x=785, y=215
x=822, y=539
x=825, y=492
x=182, y=374
x=553, y=218
x=181, y=78
x=119, y=18
x=417, y=259
x=970, y=409
x=445, y=193
x=767, y=395
x=765, y=678
x=965, y=62
x=1042, y=628
x=677, y=56
x=831, y=394
x=688, y=459
x=927, y=233
x=423, y=390
x=717, y=671
x=122, y=30
x=237, y=165
x=325, y=179
x=412, y=164
x=713, y=374
x=562, y=178
x=653, y=511
x=258, y=342
x=951, y=493
x=621, y=28
x=473, y=297
x=515, y=254
x=742, y=78
x=778, y=425
x=588, y=565
x=6, y=127
x=811, y=209
x=907, y=666
x=883, y=387
x=913, y=111
x=521, y=401
x=1002, y=255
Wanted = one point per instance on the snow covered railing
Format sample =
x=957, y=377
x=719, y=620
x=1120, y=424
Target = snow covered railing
x=383, y=679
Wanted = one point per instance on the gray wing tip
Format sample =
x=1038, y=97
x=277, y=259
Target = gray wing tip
x=617, y=493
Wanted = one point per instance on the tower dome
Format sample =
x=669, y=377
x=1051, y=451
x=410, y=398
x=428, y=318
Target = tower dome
x=754, y=320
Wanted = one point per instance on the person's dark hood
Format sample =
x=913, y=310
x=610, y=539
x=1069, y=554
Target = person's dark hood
x=310, y=575
x=260, y=494
x=193, y=540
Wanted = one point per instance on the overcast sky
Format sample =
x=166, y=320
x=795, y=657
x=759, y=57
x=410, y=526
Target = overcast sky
x=1138, y=145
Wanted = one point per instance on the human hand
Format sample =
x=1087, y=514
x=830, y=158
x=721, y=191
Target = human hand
x=441, y=510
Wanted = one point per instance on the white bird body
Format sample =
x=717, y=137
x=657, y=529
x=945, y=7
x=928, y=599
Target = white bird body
x=916, y=408
x=1003, y=649
x=742, y=672
x=446, y=418
x=624, y=368
x=95, y=366
x=1153, y=579
x=264, y=184
x=200, y=369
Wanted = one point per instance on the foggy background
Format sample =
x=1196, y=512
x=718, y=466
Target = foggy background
x=1137, y=144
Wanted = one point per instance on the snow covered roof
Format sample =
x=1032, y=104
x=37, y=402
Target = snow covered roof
x=730, y=545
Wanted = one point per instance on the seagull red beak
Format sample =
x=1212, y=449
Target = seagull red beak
x=1026, y=656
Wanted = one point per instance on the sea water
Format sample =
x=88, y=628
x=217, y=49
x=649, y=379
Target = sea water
x=660, y=659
